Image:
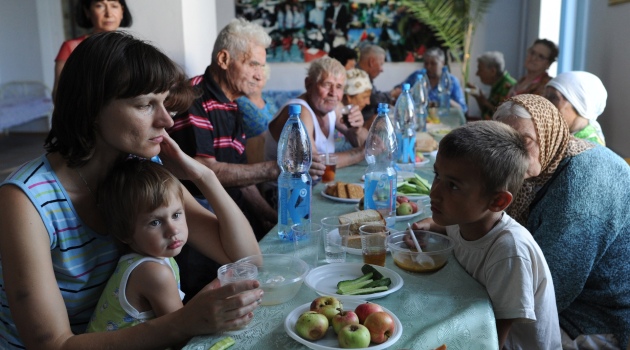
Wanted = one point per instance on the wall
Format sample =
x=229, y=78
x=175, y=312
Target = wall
x=607, y=57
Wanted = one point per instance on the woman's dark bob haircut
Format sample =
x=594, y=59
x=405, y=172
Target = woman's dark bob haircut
x=104, y=67
x=84, y=21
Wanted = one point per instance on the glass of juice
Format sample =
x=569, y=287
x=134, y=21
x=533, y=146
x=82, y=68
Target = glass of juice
x=374, y=243
x=345, y=113
x=330, y=160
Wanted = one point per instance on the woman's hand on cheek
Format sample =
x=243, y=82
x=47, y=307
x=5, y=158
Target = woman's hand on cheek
x=179, y=163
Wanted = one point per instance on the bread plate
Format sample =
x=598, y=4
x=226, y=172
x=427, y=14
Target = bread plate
x=404, y=217
x=323, y=280
x=329, y=341
x=342, y=200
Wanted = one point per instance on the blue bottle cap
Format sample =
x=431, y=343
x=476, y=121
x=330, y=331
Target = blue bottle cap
x=295, y=109
x=383, y=107
x=406, y=86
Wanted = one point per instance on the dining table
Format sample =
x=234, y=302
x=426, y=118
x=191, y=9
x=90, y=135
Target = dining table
x=445, y=307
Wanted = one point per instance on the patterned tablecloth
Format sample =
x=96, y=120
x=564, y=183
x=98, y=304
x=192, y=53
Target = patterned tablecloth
x=445, y=307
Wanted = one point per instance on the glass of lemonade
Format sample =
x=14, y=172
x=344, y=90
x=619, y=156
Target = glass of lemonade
x=374, y=243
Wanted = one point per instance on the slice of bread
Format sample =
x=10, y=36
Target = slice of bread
x=354, y=191
x=342, y=192
x=331, y=190
x=357, y=219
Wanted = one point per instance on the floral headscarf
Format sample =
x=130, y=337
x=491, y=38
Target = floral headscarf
x=555, y=142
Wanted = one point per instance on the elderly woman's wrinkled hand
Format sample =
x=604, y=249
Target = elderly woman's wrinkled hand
x=216, y=308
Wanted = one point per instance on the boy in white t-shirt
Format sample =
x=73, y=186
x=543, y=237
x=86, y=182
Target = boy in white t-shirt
x=478, y=169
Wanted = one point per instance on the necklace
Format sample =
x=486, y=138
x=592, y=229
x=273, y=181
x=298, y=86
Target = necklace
x=85, y=182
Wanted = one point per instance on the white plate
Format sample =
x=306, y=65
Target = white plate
x=403, y=217
x=353, y=251
x=342, y=200
x=323, y=280
x=422, y=162
x=413, y=197
x=329, y=341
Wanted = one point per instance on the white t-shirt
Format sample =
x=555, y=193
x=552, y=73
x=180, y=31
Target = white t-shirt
x=510, y=265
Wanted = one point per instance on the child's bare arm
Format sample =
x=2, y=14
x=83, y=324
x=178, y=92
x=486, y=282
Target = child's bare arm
x=156, y=284
x=503, y=329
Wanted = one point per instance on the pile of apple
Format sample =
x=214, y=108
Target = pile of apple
x=405, y=207
x=354, y=329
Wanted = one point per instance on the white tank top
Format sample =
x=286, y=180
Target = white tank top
x=322, y=143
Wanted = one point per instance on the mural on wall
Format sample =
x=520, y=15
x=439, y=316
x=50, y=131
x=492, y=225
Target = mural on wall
x=303, y=30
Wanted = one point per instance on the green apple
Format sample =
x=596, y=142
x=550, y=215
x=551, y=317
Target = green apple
x=404, y=209
x=312, y=325
x=354, y=336
x=327, y=305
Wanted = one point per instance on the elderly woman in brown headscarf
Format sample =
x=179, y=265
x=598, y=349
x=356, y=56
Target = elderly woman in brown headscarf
x=575, y=202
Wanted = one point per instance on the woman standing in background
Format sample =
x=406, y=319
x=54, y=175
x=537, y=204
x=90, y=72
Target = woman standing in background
x=102, y=16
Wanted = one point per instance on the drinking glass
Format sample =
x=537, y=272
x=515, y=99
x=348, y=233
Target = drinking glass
x=335, y=237
x=345, y=113
x=330, y=160
x=238, y=271
x=306, y=242
x=374, y=243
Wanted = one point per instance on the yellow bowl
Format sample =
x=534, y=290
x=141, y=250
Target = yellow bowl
x=436, y=248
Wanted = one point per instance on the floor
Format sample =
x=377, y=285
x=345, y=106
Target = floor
x=17, y=148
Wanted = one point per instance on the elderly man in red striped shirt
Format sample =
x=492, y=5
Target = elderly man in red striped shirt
x=211, y=131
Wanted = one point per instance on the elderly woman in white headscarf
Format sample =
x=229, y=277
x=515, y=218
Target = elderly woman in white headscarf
x=581, y=98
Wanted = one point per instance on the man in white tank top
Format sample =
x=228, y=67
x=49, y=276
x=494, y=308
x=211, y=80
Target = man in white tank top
x=321, y=115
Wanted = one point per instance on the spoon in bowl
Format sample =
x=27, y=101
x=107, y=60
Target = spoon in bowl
x=422, y=259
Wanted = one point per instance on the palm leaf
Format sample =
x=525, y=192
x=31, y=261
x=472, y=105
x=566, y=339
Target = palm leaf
x=453, y=22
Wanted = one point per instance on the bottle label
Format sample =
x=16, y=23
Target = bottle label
x=380, y=193
x=297, y=206
x=408, y=146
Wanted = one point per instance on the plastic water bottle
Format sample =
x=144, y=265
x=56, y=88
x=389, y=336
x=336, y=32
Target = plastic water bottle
x=380, y=175
x=405, y=115
x=294, y=182
x=444, y=92
x=420, y=95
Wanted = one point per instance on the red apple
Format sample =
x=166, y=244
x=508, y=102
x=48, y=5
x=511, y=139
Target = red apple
x=402, y=199
x=344, y=318
x=311, y=325
x=354, y=336
x=327, y=306
x=365, y=309
x=381, y=326
x=414, y=207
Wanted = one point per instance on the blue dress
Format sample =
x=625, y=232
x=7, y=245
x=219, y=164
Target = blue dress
x=255, y=120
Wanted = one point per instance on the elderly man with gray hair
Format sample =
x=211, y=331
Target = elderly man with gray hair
x=491, y=71
x=371, y=60
x=321, y=114
x=212, y=132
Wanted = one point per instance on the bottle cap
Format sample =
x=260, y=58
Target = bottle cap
x=406, y=87
x=383, y=107
x=295, y=109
